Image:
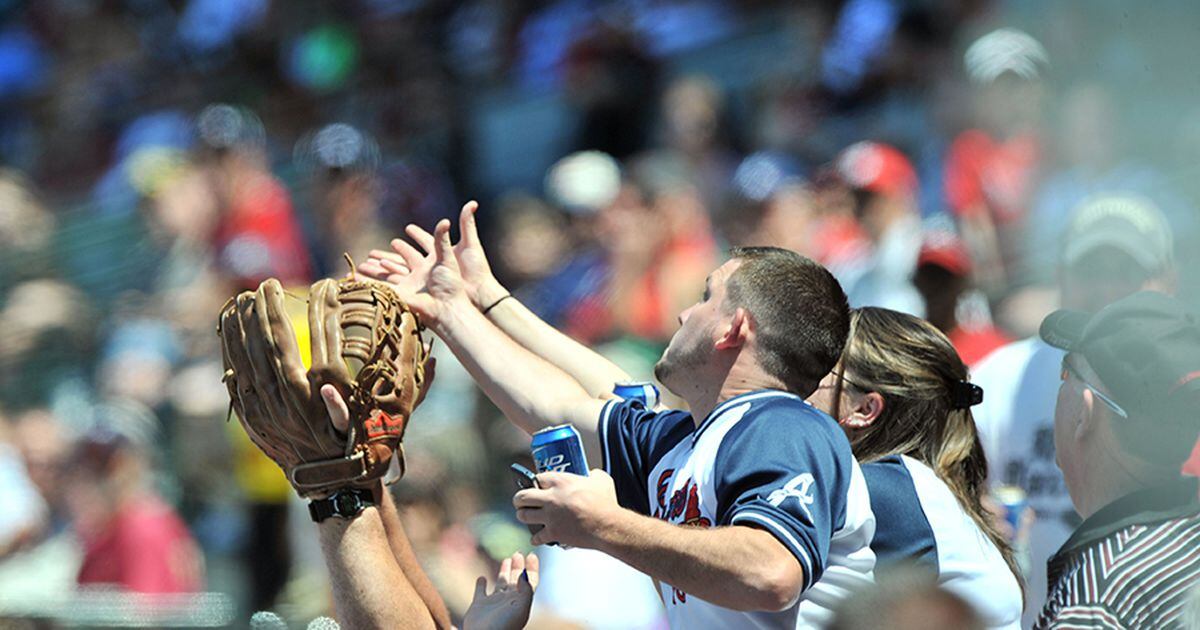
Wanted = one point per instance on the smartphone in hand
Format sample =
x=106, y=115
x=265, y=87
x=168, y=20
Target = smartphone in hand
x=525, y=479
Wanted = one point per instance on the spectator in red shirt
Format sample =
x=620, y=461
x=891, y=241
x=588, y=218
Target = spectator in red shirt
x=258, y=235
x=990, y=168
x=131, y=538
x=943, y=278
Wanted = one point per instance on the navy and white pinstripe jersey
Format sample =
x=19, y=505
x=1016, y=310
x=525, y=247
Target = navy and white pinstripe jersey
x=766, y=459
x=918, y=520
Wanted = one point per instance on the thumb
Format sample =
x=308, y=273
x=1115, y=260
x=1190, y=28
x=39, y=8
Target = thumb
x=339, y=413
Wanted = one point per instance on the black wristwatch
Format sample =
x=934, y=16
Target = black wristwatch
x=346, y=503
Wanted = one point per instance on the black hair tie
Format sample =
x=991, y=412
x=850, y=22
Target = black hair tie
x=964, y=394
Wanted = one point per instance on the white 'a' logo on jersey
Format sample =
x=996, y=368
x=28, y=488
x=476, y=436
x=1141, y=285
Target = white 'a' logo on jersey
x=799, y=487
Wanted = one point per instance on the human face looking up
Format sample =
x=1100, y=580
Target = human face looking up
x=682, y=366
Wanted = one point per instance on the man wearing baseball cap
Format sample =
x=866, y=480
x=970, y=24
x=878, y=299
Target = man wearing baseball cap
x=1127, y=416
x=1115, y=246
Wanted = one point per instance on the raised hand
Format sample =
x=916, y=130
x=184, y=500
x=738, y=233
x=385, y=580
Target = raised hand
x=481, y=283
x=507, y=607
x=429, y=282
x=571, y=508
x=408, y=264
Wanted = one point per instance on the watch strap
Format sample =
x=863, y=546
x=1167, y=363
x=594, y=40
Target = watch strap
x=345, y=503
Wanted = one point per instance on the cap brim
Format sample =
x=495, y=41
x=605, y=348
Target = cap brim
x=1129, y=243
x=1064, y=328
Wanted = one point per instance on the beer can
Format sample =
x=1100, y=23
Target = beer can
x=559, y=449
x=643, y=391
x=1015, y=503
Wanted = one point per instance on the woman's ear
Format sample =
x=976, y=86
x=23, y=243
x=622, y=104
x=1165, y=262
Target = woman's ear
x=864, y=410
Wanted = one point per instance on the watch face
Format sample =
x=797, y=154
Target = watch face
x=347, y=503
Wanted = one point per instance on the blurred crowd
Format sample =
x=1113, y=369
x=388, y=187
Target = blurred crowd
x=161, y=156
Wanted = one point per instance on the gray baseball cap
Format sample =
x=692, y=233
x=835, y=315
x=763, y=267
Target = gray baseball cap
x=1131, y=224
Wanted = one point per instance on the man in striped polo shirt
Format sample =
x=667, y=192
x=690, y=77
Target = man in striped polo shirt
x=1127, y=416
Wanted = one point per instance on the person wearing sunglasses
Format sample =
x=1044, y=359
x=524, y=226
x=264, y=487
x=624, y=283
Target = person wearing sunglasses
x=1126, y=418
x=901, y=394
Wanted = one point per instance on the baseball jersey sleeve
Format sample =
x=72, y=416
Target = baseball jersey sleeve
x=789, y=476
x=632, y=440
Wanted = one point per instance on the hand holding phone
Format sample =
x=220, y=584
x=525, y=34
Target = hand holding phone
x=525, y=479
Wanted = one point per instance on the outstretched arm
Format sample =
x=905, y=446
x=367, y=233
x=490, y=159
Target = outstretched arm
x=594, y=372
x=407, y=560
x=369, y=588
x=373, y=588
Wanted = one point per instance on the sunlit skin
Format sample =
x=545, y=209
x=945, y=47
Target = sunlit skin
x=694, y=342
x=1086, y=448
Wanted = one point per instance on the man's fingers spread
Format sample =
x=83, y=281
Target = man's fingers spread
x=420, y=236
x=372, y=269
x=409, y=254
x=443, y=249
x=466, y=223
x=396, y=268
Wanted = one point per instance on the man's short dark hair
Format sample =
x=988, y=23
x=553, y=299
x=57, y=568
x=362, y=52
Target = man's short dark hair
x=800, y=312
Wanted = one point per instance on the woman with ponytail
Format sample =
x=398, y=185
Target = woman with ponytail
x=902, y=395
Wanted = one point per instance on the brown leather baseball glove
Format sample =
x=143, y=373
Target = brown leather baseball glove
x=365, y=342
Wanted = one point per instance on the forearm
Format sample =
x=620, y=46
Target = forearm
x=594, y=373
x=531, y=392
x=369, y=588
x=407, y=561
x=736, y=567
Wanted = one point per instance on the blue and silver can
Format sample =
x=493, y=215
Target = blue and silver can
x=559, y=449
x=1015, y=503
x=644, y=391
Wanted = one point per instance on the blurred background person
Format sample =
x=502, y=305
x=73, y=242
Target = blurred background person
x=258, y=234
x=991, y=167
x=1090, y=158
x=29, y=517
x=345, y=192
x=131, y=538
x=943, y=278
x=1114, y=247
x=769, y=203
x=882, y=186
x=1124, y=422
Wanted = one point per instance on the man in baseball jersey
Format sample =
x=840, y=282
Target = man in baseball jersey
x=750, y=510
